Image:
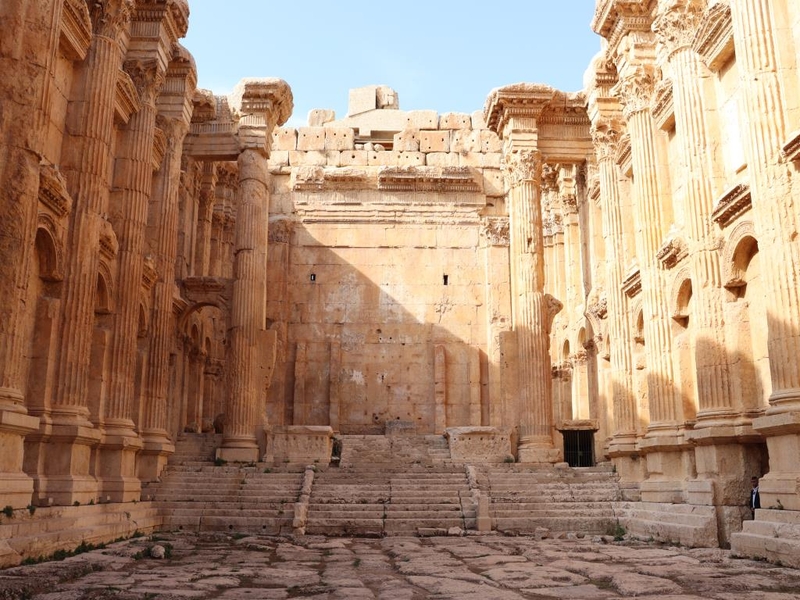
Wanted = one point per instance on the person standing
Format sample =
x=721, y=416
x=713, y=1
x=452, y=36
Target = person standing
x=755, y=499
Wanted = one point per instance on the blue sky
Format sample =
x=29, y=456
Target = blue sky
x=445, y=55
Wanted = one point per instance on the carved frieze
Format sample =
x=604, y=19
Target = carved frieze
x=672, y=251
x=735, y=202
x=523, y=166
x=522, y=102
x=447, y=179
x=495, y=230
x=713, y=41
x=76, y=29
x=53, y=191
x=632, y=284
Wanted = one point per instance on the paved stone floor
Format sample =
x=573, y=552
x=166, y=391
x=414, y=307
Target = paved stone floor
x=398, y=568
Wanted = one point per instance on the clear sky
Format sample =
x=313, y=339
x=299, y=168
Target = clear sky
x=445, y=55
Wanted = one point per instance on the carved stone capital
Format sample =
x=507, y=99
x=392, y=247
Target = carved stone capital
x=495, y=230
x=676, y=24
x=605, y=137
x=552, y=306
x=110, y=17
x=522, y=166
x=147, y=77
x=636, y=90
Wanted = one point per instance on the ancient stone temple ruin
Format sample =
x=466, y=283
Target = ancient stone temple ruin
x=561, y=311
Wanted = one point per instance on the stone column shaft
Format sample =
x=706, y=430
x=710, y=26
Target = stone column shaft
x=164, y=214
x=202, y=258
x=777, y=220
x=134, y=180
x=86, y=167
x=247, y=373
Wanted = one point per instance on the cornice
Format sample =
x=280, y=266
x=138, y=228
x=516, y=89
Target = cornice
x=713, y=41
x=624, y=155
x=791, y=149
x=632, y=284
x=126, y=101
x=53, y=191
x=662, y=106
x=672, y=251
x=519, y=100
x=735, y=202
x=76, y=29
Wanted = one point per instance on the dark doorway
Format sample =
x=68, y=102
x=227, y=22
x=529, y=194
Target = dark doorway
x=579, y=448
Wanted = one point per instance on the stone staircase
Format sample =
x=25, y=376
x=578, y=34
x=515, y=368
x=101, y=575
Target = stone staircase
x=526, y=498
x=773, y=535
x=195, y=494
x=365, y=450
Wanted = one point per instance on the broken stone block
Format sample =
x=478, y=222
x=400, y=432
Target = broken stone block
x=406, y=141
x=318, y=117
x=455, y=121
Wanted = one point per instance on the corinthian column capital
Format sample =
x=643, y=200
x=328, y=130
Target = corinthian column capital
x=676, y=23
x=605, y=137
x=148, y=78
x=636, y=89
x=109, y=17
x=522, y=166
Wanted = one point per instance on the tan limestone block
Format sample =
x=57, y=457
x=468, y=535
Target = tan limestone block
x=478, y=121
x=422, y=119
x=333, y=158
x=339, y=138
x=313, y=158
x=311, y=138
x=388, y=158
x=278, y=158
x=355, y=158
x=470, y=159
x=465, y=140
x=434, y=141
x=406, y=141
x=411, y=159
x=441, y=159
x=455, y=121
x=490, y=142
x=492, y=160
x=493, y=182
x=284, y=138
x=317, y=117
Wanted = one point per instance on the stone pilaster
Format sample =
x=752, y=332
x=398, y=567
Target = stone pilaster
x=605, y=136
x=755, y=25
x=133, y=180
x=205, y=210
x=675, y=28
x=25, y=85
x=86, y=166
x=163, y=217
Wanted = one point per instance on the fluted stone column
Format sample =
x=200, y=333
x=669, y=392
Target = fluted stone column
x=163, y=217
x=24, y=85
x=606, y=136
x=133, y=179
x=85, y=163
x=755, y=27
x=247, y=390
x=205, y=210
x=675, y=28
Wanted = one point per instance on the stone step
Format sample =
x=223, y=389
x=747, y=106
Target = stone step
x=590, y=525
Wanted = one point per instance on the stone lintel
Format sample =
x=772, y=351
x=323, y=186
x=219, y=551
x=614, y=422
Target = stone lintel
x=735, y=202
x=578, y=425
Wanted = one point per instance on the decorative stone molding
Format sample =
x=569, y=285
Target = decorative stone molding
x=663, y=108
x=713, y=41
x=735, y=202
x=599, y=309
x=522, y=166
x=552, y=307
x=791, y=149
x=204, y=106
x=632, y=284
x=53, y=192
x=110, y=17
x=416, y=179
x=51, y=258
x=149, y=273
x=624, y=155
x=495, y=230
x=268, y=97
x=126, y=101
x=109, y=246
x=76, y=30
x=518, y=101
x=606, y=137
x=159, y=148
x=732, y=274
x=680, y=294
x=280, y=231
x=672, y=251
x=676, y=24
x=636, y=90
x=205, y=291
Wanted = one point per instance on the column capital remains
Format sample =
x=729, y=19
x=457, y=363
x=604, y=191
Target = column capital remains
x=676, y=23
x=110, y=17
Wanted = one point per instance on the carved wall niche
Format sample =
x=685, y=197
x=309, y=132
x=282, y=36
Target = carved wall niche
x=736, y=254
x=680, y=296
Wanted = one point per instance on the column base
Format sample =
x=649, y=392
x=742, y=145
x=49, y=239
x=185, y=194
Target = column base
x=239, y=450
x=153, y=457
x=537, y=453
x=780, y=488
x=16, y=487
x=117, y=468
x=67, y=466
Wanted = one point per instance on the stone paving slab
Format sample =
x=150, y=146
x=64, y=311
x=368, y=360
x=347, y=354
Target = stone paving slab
x=475, y=567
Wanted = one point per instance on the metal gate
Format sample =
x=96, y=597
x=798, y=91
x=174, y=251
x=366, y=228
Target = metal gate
x=579, y=448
